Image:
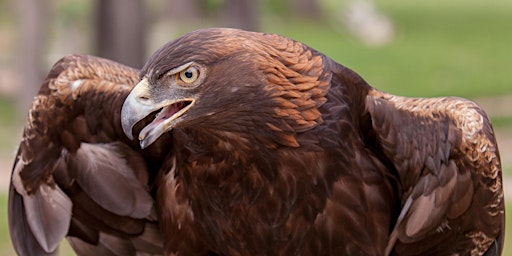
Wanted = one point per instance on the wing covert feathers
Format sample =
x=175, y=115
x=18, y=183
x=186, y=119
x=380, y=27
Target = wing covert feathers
x=448, y=166
x=76, y=173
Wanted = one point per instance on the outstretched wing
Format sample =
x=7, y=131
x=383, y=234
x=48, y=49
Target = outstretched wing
x=76, y=174
x=448, y=169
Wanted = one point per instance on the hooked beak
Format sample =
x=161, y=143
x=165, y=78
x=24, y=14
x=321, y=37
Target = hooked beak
x=139, y=104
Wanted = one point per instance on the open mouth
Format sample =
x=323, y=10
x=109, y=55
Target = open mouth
x=166, y=115
x=175, y=109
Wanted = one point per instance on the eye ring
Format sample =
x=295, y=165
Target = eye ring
x=189, y=75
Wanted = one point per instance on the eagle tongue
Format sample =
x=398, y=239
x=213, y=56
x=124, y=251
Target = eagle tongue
x=164, y=114
x=168, y=111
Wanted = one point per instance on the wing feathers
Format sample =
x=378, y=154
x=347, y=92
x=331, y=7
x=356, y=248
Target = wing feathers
x=47, y=211
x=150, y=241
x=76, y=173
x=107, y=246
x=439, y=148
x=21, y=233
x=85, y=232
x=104, y=174
x=461, y=196
x=427, y=210
x=48, y=214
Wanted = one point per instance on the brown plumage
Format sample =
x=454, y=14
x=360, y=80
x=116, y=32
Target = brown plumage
x=250, y=144
x=75, y=173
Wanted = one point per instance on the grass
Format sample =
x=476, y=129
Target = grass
x=508, y=230
x=9, y=127
x=440, y=48
x=5, y=242
x=502, y=121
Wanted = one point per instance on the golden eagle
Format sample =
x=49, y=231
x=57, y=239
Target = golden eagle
x=249, y=144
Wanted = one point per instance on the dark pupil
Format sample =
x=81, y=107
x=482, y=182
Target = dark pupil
x=189, y=74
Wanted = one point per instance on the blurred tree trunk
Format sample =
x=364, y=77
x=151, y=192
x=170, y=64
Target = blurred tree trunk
x=306, y=8
x=183, y=11
x=120, y=31
x=33, y=30
x=242, y=14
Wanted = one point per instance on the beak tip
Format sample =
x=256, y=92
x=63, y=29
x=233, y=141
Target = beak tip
x=142, y=144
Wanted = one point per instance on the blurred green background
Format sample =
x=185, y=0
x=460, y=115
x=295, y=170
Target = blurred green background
x=412, y=48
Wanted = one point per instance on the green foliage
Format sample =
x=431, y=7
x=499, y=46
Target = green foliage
x=279, y=7
x=440, y=48
x=211, y=6
x=9, y=131
x=7, y=112
x=501, y=121
x=75, y=11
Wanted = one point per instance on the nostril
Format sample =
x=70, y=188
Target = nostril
x=144, y=97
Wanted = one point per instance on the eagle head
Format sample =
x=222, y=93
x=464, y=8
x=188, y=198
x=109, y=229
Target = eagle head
x=229, y=79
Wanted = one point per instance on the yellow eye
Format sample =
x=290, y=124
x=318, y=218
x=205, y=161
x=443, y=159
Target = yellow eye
x=189, y=75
